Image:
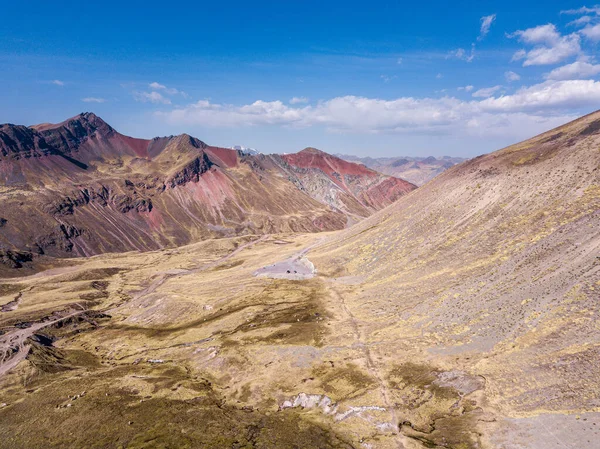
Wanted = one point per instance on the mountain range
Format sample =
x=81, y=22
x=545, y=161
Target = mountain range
x=462, y=315
x=80, y=188
x=417, y=170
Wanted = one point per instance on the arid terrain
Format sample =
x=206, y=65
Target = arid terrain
x=80, y=188
x=417, y=170
x=463, y=315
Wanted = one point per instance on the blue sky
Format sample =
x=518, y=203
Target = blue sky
x=377, y=78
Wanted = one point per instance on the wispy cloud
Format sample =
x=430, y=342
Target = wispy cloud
x=93, y=100
x=439, y=76
x=582, y=10
x=468, y=88
x=511, y=76
x=583, y=20
x=486, y=24
x=159, y=94
x=461, y=53
x=58, y=82
x=486, y=92
x=168, y=90
x=298, y=100
x=388, y=78
x=151, y=97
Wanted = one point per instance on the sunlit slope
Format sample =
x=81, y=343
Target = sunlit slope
x=495, y=263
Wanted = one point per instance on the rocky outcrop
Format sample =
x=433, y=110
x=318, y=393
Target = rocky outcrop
x=68, y=204
x=59, y=239
x=18, y=142
x=15, y=259
x=69, y=135
x=103, y=196
x=125, y=203
x=63, y=139
x=192, y=171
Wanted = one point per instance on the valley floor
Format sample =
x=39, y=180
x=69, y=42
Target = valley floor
x=189, y=347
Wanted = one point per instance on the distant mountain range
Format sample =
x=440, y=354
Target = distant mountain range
x=417, y=170
x=246, y=150
x=80, y=188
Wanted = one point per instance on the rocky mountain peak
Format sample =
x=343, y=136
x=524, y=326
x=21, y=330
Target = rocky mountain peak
x=20, y=141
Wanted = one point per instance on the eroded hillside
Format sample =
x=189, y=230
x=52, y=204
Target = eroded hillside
x=462, y=316
x=80, y=188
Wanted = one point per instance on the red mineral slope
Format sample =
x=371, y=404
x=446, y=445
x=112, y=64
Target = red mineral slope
x=79, y=188
x=345, y=185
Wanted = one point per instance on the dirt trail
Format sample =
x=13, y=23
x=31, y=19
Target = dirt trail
x=12, y=305
x=164, y=276
x=13, y=347
x=280, y=270
x=297, y=267
x=371, y=365
x=12, y=344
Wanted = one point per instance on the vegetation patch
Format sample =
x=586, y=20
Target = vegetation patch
x=102, y=410
x=437, y=416
x=343, y=382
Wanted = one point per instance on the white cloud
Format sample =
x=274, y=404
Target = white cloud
x=151, y=97
x=299, y=100
x=542, y=34
x=592, y=32
x=439, y=76
x=519, y=54
x=58, y=82
x=399, y=61
x=549, y=95
x=486, y=92
x=511, y=76
x=165, y=89
x=93, y=100
x=468, y=88
x=582, y=10
x=576, y=70
x=530, y=109
x=461, y=53
x=486, y=23
x=583, y=20
x=550, y=47
x=388, y=78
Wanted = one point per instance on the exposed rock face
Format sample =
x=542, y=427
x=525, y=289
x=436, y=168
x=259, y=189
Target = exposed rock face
x=88, y=189
x=14, y=259
x=192, y=171
x=346, y=186
x=68, y=204
x=69, y=135
x=18, y=141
